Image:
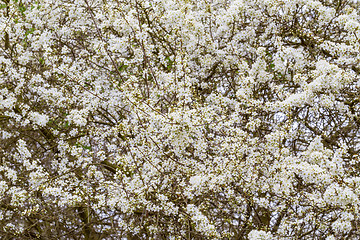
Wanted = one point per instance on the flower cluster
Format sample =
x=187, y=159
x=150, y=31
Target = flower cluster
x=179, y=119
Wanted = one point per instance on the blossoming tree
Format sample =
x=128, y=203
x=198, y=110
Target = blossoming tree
x=179, y=119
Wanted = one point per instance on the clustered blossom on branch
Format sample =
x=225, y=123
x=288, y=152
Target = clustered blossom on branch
x=179, y=119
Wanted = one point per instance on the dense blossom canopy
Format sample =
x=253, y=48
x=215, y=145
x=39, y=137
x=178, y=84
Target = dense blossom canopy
x=179, y=119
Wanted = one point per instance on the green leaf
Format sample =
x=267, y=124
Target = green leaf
x=169, y=64
x=29, y=31
x=86, y=147
x=122, y=67
x=22, y=9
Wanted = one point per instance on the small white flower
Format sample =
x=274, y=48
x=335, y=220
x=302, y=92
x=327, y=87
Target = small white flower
x=78, y=117
x=260, y=235
x=39, y=119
